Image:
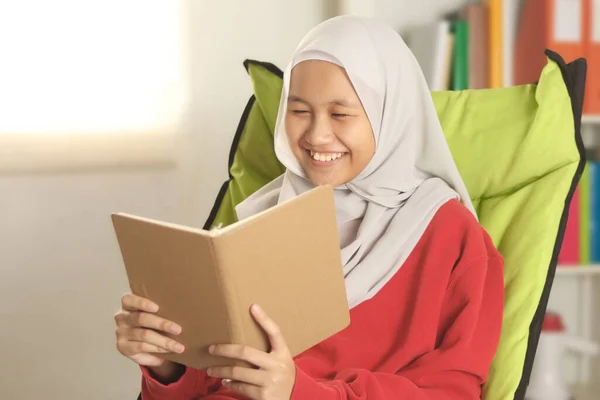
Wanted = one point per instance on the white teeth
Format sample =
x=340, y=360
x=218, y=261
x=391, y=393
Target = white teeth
x=325, y=157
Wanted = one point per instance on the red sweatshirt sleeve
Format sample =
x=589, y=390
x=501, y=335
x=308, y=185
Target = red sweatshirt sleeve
x=192, y=385
x=469, y=332
x=185, y=387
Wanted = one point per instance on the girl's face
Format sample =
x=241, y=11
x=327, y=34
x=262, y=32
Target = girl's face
x=327, y=127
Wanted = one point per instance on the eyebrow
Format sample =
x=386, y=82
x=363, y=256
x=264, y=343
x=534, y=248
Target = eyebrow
x=335, y=102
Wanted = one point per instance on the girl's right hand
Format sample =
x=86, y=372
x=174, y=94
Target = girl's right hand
x=140, y=332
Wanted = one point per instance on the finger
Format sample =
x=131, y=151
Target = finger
x=240, y=374
x=244, y=353
x=132, y=302
x=270, y=327
x=154, y=338
x=139, y=348
x=121, y=318
x=147, y=360
x=246, y=389
x=152, y=321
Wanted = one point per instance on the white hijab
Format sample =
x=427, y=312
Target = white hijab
x=385, y=210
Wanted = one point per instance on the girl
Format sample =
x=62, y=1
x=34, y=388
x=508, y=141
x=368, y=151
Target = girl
x=424, y=281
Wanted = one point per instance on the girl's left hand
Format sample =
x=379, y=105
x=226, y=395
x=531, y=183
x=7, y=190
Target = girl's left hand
x=274, y=380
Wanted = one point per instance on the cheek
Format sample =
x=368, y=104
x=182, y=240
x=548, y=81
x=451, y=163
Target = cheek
x=293, y=130
x=361, y=144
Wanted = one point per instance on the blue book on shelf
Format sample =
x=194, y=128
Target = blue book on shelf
x=594, y=211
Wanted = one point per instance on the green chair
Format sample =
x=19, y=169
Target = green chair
x=520, y=153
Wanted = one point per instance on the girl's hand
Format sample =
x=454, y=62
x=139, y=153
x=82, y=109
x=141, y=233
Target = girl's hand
x=140, y=332
x=273, y=380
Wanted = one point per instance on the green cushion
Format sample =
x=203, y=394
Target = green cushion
x=520, y=154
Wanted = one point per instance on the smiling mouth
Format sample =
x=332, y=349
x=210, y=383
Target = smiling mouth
x=325, y=158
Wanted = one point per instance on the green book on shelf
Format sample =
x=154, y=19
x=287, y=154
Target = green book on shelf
x=585, y=215
x=460, y=58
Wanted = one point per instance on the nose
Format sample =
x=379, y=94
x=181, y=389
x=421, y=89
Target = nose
x=319, y=132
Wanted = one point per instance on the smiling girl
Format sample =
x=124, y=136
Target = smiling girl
x=424, y=281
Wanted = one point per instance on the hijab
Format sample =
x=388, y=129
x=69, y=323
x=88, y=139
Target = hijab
x=384, y=211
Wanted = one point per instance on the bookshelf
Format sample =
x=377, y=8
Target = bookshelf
x=590, y=120
x=438, y=44
x=578, y=270
x=575, y=296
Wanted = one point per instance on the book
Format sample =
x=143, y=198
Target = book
x=286, y=259
x=556, y=25
x=477, y=17
x=570, y=250
x=585, y=216
x=594, y=212
x=496, y=43
x=510, y=22
x=590, y=15
x=432, y=44
x=460, y=59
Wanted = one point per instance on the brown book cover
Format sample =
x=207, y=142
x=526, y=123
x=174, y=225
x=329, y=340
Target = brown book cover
x=556, y=25
x=477, y=16
x=286, y=259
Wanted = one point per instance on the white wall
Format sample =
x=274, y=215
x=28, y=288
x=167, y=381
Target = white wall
x=61, y=276
x=407, y=13
x=401, y=14
x=223, y=35
x=61, y=280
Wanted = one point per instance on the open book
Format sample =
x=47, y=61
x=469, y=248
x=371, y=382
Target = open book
x=286, y=259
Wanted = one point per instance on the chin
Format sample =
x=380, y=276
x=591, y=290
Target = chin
x=319, y=176
x=323, y=180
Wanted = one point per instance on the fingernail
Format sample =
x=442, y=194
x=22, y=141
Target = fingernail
x=176, y=329
x=153, y=307
x=179, y=348
x=211, y=348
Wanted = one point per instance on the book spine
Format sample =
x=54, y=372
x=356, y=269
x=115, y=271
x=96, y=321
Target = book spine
x=595, y=212
x=569, y=253
x=585, y=216
x=496, y=47
x=227, y=280
x=530, y=41
x=460, y=65
x=478, y=21
x=591, y=23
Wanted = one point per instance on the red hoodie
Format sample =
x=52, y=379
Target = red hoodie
x=429, y=334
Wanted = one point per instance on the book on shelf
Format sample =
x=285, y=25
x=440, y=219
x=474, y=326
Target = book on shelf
x=467, y=49
x=570, y=252
x=571, y=28
x=584, y=217
x=581, y=242
x=432, y=45
x=500, y=43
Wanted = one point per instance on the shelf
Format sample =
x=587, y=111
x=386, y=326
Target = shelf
x=590, y=119
x=584, y=270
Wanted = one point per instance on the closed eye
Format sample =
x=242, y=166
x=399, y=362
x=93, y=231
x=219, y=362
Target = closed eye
x=336, y=115
x=299, y=111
